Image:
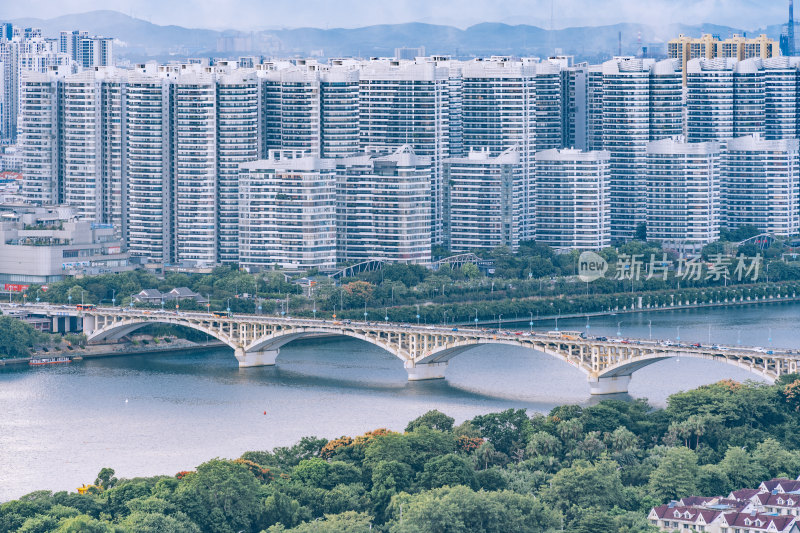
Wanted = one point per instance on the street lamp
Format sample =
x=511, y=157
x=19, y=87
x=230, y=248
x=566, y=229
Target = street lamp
x=113, y=298
x=365, y=310
x=37, y=296
x=650, y=329
x=531, y=322
x=619, y=328
x=499, y=322
x=678, y=338
x=417, y=314
x=386, y=315
x=69, y=297
x=315, y=309
x=229, y=307
x=476, y=318
x=444, y=315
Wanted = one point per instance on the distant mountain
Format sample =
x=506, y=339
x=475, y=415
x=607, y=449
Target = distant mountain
x=141, y=40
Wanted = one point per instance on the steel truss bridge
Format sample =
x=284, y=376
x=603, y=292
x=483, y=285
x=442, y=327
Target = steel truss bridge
x=425, y=350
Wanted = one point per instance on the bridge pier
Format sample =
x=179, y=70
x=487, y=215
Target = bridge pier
x=425, y=371
x=260, y=358
x=609, y=385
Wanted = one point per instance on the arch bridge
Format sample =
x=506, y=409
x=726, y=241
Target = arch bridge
x=426, y=350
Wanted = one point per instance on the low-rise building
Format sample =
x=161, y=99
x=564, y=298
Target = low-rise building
x=39, y=245
x=773, y=507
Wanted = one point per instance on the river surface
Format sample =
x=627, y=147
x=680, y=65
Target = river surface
x=162, y=413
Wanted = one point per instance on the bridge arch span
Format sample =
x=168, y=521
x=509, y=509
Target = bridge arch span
x=118, y=329
x=446, y=354
x=760, y=367
x=274, y=341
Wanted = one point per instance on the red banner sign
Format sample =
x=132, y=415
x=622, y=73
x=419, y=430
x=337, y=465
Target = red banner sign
x=12, y=287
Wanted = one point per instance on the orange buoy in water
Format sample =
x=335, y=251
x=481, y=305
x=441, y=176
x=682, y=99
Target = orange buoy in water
x=265, y=412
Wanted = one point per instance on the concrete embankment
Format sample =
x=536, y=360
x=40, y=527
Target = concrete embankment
x=117, y=349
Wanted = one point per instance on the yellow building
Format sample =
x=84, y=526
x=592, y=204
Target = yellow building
x=709, y=47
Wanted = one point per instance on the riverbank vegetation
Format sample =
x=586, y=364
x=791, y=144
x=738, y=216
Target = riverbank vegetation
x=533, y=280
x=578, y=469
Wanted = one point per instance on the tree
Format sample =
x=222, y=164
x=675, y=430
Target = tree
x=462, y=510
x=158, y=523
x=470, y=271
x=432, y=420
x=585, y=485
x=105, y=478
x=282, y=509
x=221, y=497
x=676, y=474
x=17, y=337
x=449, y=470
x=347, y=522
x=507, y=431
x=741, y=468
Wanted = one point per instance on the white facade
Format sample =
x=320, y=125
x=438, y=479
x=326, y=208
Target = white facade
x=195, y=212
x=683, y=193
x=408, y=102
x=148, y=173
x=38, y=141
x=383, y=207
x=287, y=212
x=760, y=185
x=709, y=100
x=573, y=208
x=486, y=198
x=237, y=141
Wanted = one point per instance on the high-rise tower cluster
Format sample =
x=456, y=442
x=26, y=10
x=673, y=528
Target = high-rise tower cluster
x=197, y=163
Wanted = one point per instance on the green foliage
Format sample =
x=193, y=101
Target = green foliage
x=17, y=338
x=432, y=420
x=221, y=497
x=581, y=469
x=462, y=510
x=676, y=474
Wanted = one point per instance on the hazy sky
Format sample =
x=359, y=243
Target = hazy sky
x=254, y=14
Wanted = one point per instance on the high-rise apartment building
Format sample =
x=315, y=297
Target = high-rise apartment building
x=87, y=51
x=683, y=193
x=237, y=142
x=573, y=208
x=709, y=99
x=339, y=110
x=760, y=185
x=626, y=131
x=195, y=181
x=408, y=102
x=287, y=212
x=291, y=104
x=148, y=167
x=39, y=139
x=499, y=116
x=383, y=207
x=486, y=198
x=736, y=47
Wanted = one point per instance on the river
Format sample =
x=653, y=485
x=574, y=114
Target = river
x=161, y=413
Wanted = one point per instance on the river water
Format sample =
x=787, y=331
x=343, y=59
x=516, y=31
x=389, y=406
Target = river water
x=162, y=413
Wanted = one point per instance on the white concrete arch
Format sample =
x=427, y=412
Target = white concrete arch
x=450, y=351
x=276, y=340
x=629, y=367
x=117, y=330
